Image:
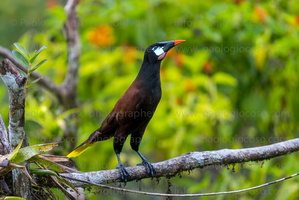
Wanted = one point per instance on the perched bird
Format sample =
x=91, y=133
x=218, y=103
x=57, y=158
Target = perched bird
x=134, y=109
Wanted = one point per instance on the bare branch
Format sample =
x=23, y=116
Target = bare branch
x=4, y=149
x=4, y=139
x=69, y=85
x=16, y=85
x=73, y=42
x=190, y=161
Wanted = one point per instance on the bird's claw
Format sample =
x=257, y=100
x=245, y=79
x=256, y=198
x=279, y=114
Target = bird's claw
x=148, y=167
x=124, y=175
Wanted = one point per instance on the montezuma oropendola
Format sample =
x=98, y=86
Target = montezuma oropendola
x=134, y=109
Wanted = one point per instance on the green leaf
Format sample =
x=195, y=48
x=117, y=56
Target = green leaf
x=21, y=58
x=36, y=53
x=13, y=154
x=22, y=50
x=37, y=66
x=49, y=164
x=36, y=80
x=30, y=151
x=13, y=198
x=43, y=172
x=224, y=79
x=52, y=173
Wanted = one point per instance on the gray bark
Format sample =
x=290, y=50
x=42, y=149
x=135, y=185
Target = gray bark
x=16, y=85
x=4, y=139
x=190, y=161
x=66, y=93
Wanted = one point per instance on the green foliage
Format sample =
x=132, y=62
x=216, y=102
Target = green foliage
x=30, y=154
x=27, y=60
x=232, y=84
x=13, y=198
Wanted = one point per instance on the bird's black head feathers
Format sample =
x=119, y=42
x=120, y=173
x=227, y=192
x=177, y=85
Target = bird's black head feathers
x=156, y=52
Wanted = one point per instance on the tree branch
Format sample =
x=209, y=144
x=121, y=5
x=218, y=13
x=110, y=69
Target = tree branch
x=4, y=149
x=4, y=139
x=69, y=85
x=73, y=42
x=66, y=93
x=190, y=161
x=16, y=85
x=44, y=82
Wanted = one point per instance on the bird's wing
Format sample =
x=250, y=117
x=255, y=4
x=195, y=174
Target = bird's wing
x=123, y=112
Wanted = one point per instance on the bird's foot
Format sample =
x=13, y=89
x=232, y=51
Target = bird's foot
x=124, y=175
x=148, y=167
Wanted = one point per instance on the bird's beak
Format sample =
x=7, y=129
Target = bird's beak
x=176, y=42
x=166, y=46
x=170, y=44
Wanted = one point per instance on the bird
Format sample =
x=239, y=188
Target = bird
x=133, y=111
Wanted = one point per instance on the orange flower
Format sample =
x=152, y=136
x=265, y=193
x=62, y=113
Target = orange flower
x=179, y=101
x=260, y=14
x=51, y=4
x=297, y=20
x=130, y=54
x=208, y=67
x=190, y=86
x=101, y=36
x=178, y=57
x=179, y=61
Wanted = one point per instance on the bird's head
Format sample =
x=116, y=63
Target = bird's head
x=156, y=52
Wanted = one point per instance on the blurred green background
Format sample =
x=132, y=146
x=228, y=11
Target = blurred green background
x=232, y=84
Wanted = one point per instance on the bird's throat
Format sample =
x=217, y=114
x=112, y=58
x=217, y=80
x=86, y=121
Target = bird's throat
x=149, y=74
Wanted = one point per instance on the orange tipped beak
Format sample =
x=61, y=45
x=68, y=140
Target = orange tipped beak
x=176, y=42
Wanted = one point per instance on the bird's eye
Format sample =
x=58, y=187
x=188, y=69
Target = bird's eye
x=154, y=48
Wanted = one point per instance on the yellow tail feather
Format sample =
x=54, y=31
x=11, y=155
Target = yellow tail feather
x=79, y=150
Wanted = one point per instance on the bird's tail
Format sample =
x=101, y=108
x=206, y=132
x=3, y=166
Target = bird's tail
x=85, y=145
x=80, y=149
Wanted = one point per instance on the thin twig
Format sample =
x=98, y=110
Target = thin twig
x=182, y=195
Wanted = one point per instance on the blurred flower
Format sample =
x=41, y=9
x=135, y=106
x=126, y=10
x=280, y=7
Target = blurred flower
x=260, y=14
x=190, y=86
x=293, y=20
x=130, y=54
x=177, y=56
x=179, y=101
x=101, y=36
x=238, y=1
x=208, y=67
x=179, y=61
x=296, y=20
x=51, y=4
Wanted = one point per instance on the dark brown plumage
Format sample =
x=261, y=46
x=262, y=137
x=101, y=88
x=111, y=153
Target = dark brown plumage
x=134, y=109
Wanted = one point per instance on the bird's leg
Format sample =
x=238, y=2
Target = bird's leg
x=124, y=175
x=148, y=166
x=135, y=142
x=118, y=144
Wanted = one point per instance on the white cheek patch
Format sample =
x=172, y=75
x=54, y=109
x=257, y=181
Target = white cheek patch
x=159, y=51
